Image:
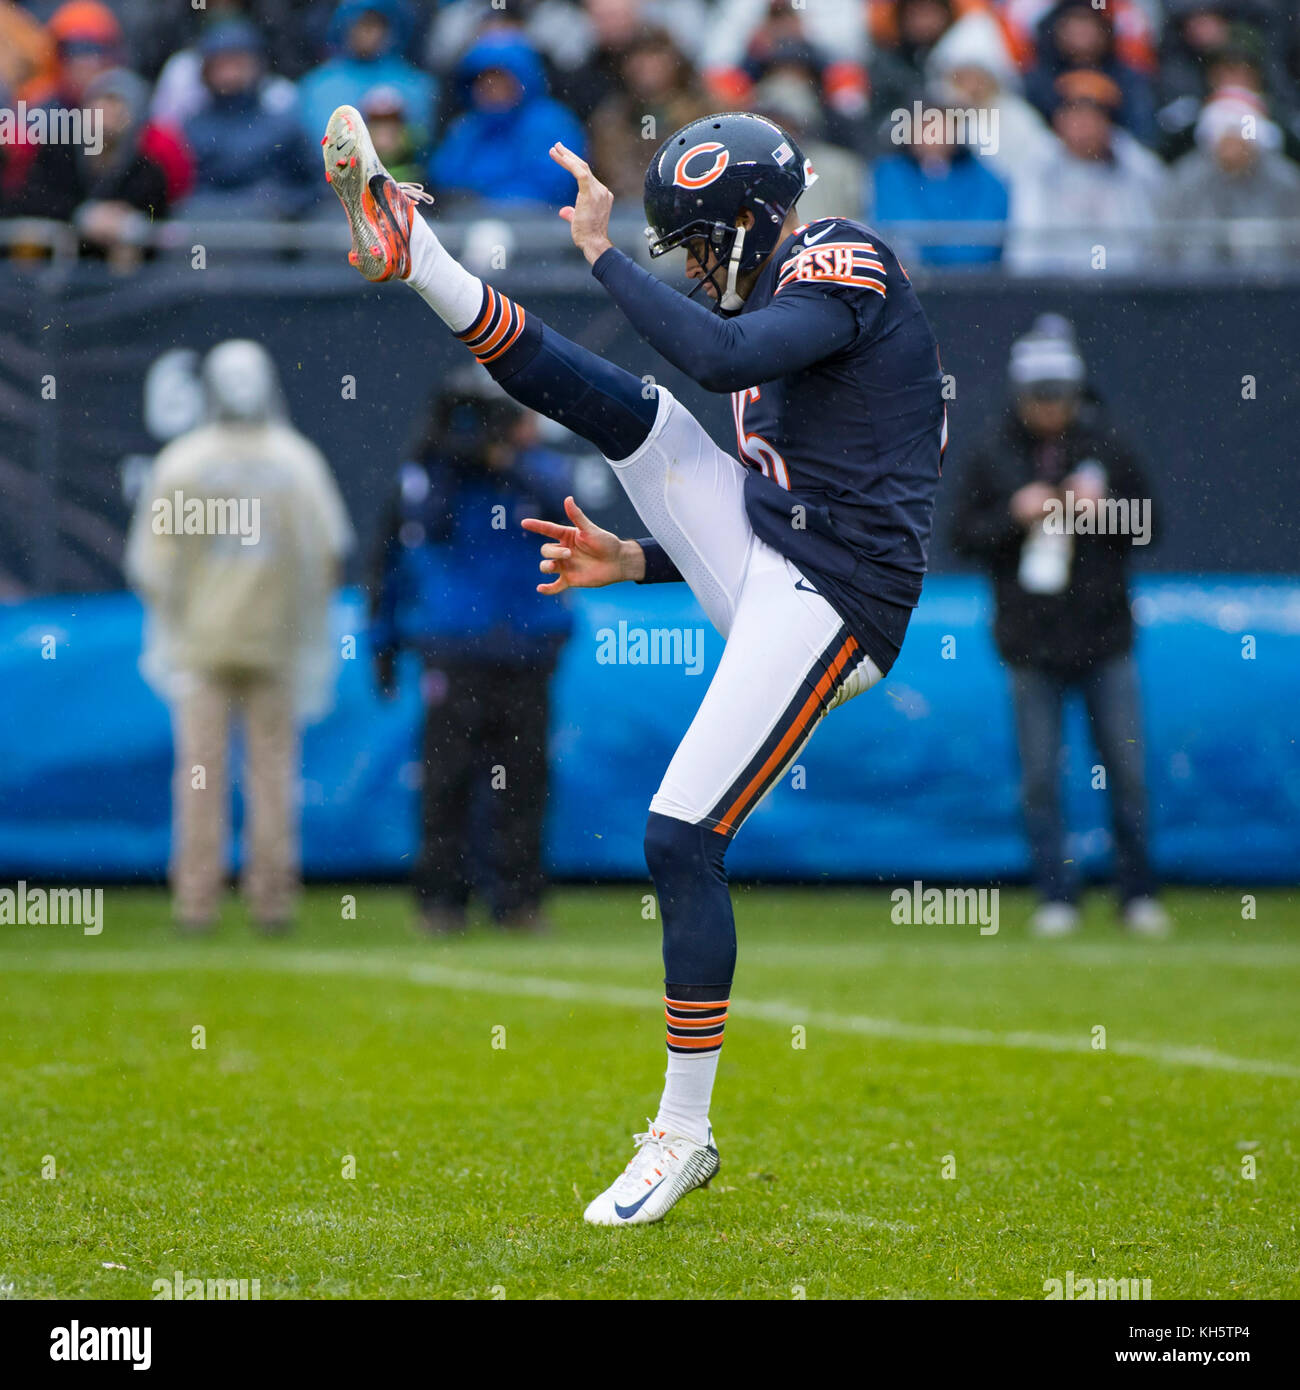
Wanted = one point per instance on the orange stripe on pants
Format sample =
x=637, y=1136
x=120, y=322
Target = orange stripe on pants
x=811, y=708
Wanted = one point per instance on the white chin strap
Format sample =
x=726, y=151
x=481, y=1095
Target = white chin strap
x=730, y=300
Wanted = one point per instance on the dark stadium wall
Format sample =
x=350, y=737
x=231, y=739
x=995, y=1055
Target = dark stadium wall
x=1170, y=364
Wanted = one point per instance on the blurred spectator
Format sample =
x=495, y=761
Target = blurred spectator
x=252, y=157
x=180, y=93
x=1072, y=37
x=1092, y=205
x=1209, y=44
x=937, y=180
x=1237, y=175
x=585, y=75
x=970, y=69
x=1062, y=621
x=115, y=193
x=906, y=33
x=87, y=40
x=565, y=34
x=497, y=149
x=789, y=95
x=657, y=93
x=26, y=51
x=26, y=59
x=453, y=578
x=238, y=626
x=744, y=33
x=1135, y=42
x=369, y=39
x=397, y=139
x=294, y=33
x=793, y=62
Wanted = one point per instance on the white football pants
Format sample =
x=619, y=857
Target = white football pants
x=789, y=658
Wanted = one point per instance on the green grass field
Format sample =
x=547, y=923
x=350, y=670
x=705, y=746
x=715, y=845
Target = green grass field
x=473, y=1161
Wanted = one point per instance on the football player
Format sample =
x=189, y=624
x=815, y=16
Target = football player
x=806, y=547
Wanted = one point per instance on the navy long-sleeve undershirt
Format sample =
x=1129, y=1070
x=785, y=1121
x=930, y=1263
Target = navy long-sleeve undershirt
x=727, y=354
x=722, y=354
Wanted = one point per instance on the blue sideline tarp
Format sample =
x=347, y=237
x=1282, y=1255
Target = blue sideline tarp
x=915, y=779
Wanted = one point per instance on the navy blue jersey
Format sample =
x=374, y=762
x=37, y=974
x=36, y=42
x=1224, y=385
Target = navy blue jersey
x=836, y=393
x=846, y=452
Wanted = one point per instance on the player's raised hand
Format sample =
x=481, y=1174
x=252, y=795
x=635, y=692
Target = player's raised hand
x=588, y=217
x=583, y=555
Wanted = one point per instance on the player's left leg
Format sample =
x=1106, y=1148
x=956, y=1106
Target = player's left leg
x=687, y=491
x=788, y=660
x=609, y=407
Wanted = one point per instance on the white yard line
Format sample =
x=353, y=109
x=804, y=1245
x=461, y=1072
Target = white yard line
x=996, y=952
x=787, y=1015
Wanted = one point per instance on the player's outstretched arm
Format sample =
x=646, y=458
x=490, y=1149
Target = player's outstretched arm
x=720, y=354
x=584, y=555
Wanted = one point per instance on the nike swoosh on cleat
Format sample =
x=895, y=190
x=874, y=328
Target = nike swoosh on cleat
x=808, y=240
x=625, y=1213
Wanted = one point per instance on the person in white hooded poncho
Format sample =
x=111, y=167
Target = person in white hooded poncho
x=970, y=68
x=235, y=549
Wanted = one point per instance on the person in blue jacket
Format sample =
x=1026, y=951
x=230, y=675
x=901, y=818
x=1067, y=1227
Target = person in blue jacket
x=495, y=150
x=452, y=574
x=252, y=157
x=368, y=39
x=933, y=179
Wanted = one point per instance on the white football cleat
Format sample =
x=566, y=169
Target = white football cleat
x=663, y=1170
x=1146, y=917
x=1054, y=919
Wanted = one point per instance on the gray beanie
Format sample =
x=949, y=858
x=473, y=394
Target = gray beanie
x=1046, y=355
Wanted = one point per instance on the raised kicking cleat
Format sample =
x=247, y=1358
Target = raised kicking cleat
x=381, y=211
x=663, y=1170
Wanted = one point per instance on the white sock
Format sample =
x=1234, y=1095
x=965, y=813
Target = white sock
x=688, y=1088
x=442, y=282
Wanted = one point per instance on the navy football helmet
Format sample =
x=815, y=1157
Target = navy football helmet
x=710, y=171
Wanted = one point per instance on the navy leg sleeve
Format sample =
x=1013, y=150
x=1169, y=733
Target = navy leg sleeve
x=595, y=399
x=685, y=862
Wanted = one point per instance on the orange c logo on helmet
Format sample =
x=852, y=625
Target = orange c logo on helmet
x=685, y=180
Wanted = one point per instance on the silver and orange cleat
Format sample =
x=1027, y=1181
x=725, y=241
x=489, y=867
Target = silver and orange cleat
x=381, y=211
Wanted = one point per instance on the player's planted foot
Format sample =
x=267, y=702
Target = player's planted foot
x=381, y=211
x=663, y=1170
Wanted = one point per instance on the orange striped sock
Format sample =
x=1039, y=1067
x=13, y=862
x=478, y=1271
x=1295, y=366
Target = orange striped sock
x=499, y=323
x=695, y=1025
x=696, y=1017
